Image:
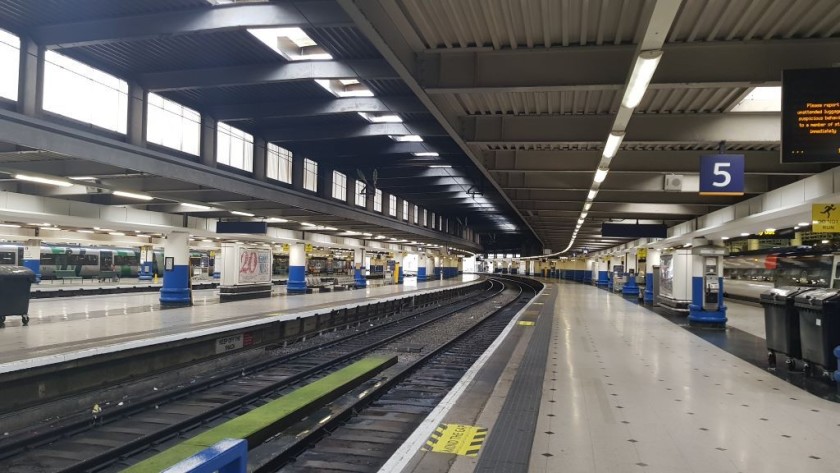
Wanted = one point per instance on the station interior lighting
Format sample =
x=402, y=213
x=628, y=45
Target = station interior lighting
x=9, y=225
x=42, y=180
x=612, y=144
x=430, y=154
x=276, y=220
x=243, y=214
x=803, y=224
x=195, y=206
x=132, y=195
x=640, y=77
x=84, y=231
x=592, y=194
x=600, y=175
x=441, y=166
x=406, y=138
x=381, y=118
x=82, y=178
x=307, y=224
x=745, y=234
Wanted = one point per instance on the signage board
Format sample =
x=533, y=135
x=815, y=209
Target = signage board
x=284, y=247
x=308, y=248
x=825, y=218
x=722, y=174
x=255, y=228
x=811, y=116
x=638, y=230
x=254, y=265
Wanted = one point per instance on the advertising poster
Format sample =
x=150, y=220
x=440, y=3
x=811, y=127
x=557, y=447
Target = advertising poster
x=666, y=275
x=254, y=266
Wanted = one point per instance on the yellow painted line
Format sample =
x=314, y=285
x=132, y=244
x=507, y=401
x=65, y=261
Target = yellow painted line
x=526, y=322
x=456, y=439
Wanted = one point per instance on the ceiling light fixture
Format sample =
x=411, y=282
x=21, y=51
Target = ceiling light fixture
x=430, y=154
x=381, y=118
x=243, y=214
x=640, y=77
x=803, y=224
x=195, y=206
x=406, y=138
x=600, y=175
x=42, y=180
x=592, y=194
x=612, y=144
x=131, y=195
x=440, y=166
x=9, y=225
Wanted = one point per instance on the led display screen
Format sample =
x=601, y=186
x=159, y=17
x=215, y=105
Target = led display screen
x=811, y=115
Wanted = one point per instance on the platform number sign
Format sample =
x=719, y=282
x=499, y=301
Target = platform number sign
x=722, y=174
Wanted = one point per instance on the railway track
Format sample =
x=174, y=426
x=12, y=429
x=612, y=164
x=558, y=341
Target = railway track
x=141, y=427
x=368, y=432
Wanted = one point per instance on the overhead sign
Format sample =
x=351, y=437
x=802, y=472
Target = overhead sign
x=308, y=248
x=826, y=218
x=811, y=116
x=255, y=228
x=722, y=174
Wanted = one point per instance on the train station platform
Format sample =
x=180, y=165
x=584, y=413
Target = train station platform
x=602, y=384
x=73, y=328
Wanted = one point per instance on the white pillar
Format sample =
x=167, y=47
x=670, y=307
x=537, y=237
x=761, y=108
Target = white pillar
x=297, y=269
x=176, y=271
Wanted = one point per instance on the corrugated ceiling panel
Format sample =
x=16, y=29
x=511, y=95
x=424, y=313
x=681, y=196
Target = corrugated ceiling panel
x=23, y=13
x=726, y=20
x=523, y=23
x=579, y=102
x=343, y=42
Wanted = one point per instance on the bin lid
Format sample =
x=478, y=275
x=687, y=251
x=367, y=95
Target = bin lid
x=785, y=292
x=818, y=296
x=15, y=272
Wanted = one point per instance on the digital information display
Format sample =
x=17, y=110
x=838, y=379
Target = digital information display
x=811, y=115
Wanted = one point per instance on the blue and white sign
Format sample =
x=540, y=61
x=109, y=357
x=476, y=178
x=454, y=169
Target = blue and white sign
x=722, y=174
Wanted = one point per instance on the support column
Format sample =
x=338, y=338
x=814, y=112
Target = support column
x=218, y=264
x=430, y=267
x=603, y=275
x=460, y=266
x=176, y=275
x=652, y=260
x=630, y=289
x=297, y=269
x=399, y=261
x=137, y=112
x=147, y=261
x=208, y=140
x=260, y=158
x=32, y=257
x=421, y=267
x=359, y=268
x=31, y=79
x=707, y=307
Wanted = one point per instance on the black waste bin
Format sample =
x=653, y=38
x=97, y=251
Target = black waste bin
x=781, y=323
x=819, y=328
x=14, y=292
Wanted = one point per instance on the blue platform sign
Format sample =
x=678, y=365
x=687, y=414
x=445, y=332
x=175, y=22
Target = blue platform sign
x=722, y=174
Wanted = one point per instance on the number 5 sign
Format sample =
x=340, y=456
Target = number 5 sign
x=722, y=174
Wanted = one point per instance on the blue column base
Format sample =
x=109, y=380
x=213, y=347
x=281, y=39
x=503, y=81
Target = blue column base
x=400, y=276
x=421, y=274
x=35, y=266
x=603, y=279
x=217, y=275
x=297, y=280
x=630, y=289
x=648, y=288
x=145, y=271
x=697, y=316
x=176, y=287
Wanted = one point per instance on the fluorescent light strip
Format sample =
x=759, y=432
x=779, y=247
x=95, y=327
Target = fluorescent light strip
x=592, y=194
x=430, y=154
x=640, y=77
x=42, y=180
x=243, y=214
x=195, y=206
x=407, y=138
x=612, y=144
x=132, y=195
x=600, y=175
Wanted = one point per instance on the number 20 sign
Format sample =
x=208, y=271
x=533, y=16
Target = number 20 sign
x=722, y=174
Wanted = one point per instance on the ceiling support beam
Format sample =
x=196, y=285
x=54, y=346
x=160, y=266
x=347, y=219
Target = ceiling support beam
x=313, y=108
x=198, y=20
x=721, y=64
x=266, y=74
x=693, y=128
x=341, y=132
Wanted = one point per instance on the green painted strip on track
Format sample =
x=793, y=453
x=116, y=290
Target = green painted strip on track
x=266, y=420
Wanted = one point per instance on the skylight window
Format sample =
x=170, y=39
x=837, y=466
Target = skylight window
x=761, y=99
x=291, y=43
x=338, y=87
x=381, y=117
x=406, y=138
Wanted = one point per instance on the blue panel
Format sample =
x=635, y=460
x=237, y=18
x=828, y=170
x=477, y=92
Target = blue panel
x=421, y=274
x=400, y=276
x=649, y=288
x=696, y=314
x=722, y=174
x=579, y=275
x=297, y=280
x=176, y=286
x=587, y=276
x=35, y=266
x=145, y=271
x=630, y=288
x=359, y=278
x=226, y=456
x=260, y=228
x=603, y=279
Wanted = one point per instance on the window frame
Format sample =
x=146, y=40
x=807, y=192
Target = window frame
x=339, y=186
x=310, y=171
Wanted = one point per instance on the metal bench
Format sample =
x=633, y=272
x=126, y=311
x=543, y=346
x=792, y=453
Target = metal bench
x=113, y=276
x=67, y=274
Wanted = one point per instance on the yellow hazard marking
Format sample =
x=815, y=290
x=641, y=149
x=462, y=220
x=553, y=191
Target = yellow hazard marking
x=457, y=439
x=526, y=322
